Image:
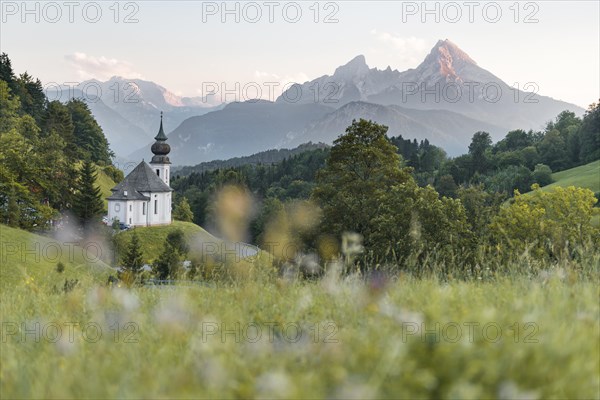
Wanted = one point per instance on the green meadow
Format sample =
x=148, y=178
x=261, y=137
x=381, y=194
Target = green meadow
x=586, y=176
x=529, y=334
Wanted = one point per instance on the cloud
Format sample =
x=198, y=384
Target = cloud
x=101, y=68
x=408, y=51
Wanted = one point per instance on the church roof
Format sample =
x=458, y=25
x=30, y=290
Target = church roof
x=141, y=179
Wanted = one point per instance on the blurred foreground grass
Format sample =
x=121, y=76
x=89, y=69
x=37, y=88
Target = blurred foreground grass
x=509, y=337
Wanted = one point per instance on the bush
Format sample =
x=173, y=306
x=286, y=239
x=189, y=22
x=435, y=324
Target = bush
x=60, y=267
x=542, y=175
x=114, y=173
x=547, y=224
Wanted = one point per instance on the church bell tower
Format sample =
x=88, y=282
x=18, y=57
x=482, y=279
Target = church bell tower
x=160, y=161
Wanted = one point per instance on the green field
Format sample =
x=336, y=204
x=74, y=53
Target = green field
x=152, y=240
x=26, y=257
x=519, y=337
x=105, y=184
x=530, y=333
x=586, y=176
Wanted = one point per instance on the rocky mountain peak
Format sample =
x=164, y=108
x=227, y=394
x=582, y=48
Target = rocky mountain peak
x=355, y=67
x=446, y=58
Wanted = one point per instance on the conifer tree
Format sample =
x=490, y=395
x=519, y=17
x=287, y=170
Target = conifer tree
x=183, y=212
x=134, y=259
x=88, y=204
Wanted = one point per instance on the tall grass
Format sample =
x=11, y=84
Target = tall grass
x=522, y=335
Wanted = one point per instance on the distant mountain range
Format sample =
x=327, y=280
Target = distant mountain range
x=445, y=99
x=128, y=110
x=448, y=79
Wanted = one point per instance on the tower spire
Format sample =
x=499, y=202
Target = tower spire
x=161, y=133
x=161, y=148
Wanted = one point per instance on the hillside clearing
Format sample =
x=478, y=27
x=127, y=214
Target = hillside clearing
x=25, y=255
x=202, y=243
x=585, y=176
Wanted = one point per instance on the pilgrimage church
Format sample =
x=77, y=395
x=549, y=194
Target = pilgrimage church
x=144, y=197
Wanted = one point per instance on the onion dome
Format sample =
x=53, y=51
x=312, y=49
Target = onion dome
x=160, y=148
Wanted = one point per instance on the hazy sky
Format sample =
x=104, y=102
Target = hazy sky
x=183, y=45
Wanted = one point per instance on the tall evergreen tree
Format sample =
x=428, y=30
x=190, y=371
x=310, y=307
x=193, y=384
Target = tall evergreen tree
x=183, y=212
x=174, y=251
x=58, y=120
x=590, y=134
x=167, y=264
x=6, y=72
x=88, y=204
x=33, y=98
x=480, y=144
x=133, y=260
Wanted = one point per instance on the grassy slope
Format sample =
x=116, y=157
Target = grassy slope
x=105, y=184
x=152, y=238
x=24, y=255
x=201, y=242
x=586, y=176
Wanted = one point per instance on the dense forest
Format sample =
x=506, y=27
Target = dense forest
x=264, y=157
x=43, y=146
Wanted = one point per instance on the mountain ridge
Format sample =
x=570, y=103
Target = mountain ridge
x=411, y=101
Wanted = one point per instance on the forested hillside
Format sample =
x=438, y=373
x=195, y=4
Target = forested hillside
x=264, y=157
x=45, y=147
x=516, y=162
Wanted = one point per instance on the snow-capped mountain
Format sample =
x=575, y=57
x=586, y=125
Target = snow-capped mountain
x=445, y=99
x=448, y=79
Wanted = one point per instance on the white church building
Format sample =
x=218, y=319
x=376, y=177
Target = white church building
x=144, y=197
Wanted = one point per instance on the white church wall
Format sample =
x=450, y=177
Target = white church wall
x=160, y=207
x=117, y=210
x=156, y=211
x=137, y=214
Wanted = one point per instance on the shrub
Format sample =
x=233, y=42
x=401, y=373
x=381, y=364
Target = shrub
x=60, y=267
x=549, y=223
